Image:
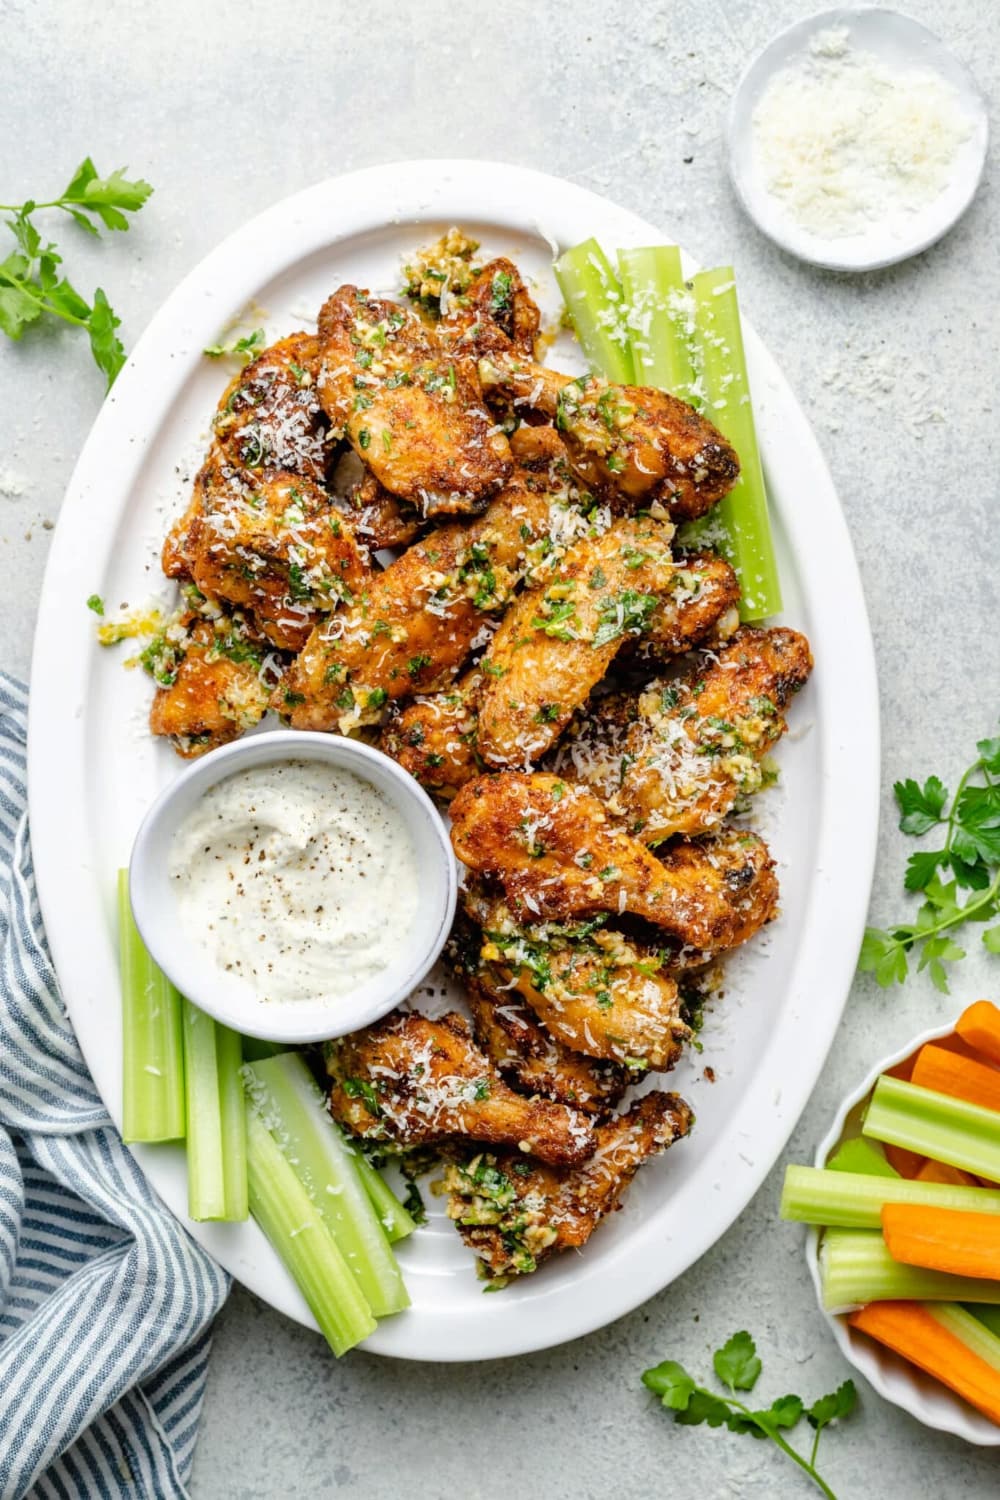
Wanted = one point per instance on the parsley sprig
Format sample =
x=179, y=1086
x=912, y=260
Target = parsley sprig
x=737, y=1366
x=969, y=852
x=32, y=287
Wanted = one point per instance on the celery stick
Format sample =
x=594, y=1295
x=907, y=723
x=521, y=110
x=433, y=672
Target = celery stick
x=396, y=1220
x=983, y=1314
x=152, y=1054
x=853, y=1200
x=216, y=1133
x=935, y=1125
x=294, y=1110
x=857, y=1155
x=254, y=1047
x=856, y=1267
x=595, y=305
x=739, y=527
x=298, y=1232
x=659, y=312
x=969, y=1329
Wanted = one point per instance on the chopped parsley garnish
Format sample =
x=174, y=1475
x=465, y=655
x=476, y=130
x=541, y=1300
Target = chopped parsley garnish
x=628, y=613
x=96, y=603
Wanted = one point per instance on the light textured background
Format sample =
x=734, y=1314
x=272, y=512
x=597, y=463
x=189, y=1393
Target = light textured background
x=228, y=107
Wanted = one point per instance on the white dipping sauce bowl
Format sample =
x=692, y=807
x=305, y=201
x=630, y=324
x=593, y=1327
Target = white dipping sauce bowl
x=232, y=999
x=892, y=1376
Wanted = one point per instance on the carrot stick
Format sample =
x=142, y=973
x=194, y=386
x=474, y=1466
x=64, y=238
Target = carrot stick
x=949, y=1073
x=911, y=1329
x=906, y=1163
x=939, y=1171
x=943, y=1239
x=979, y=1025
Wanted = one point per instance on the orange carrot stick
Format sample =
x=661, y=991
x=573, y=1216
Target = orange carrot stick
x=948, y=1073
x=943, y=1239
x=911, y=1330
x=979, y=1025
x=939, y=1171
x=906, y=1163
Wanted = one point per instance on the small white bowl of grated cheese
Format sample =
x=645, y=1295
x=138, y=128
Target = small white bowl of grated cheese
x=856, y=139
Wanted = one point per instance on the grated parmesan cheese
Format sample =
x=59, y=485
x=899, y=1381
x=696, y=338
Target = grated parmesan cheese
x=845, y=142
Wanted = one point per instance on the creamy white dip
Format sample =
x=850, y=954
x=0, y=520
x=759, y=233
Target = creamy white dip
x=299, y=877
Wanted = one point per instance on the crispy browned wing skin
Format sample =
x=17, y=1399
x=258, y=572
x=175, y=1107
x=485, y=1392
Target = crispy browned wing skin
x=434, y=737
x=594, y=989
x=272, y=542
x=412, y=410
x=636, y=445
x=496, y=313
x=549, y=845
x=699, y=609
x=215, y=677
x=557, y=641
x=381, y=519
x=674, y=758
x=515, y=1214
x=417, y=1082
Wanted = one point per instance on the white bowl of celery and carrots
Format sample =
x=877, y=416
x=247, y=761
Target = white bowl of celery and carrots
x=904, y=1201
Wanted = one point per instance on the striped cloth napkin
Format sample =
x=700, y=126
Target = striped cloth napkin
x=106, y=1303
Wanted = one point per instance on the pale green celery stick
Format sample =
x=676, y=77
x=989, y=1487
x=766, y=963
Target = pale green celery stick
x=152, y=1052
x=739, y=526
x=396, y=1220
x=935, y=1125
x=971, y=1329
x=853, y=1200
x=659, y=314
x=856, y=1267
x=298, y=1232
x=292, y=1107
x=595, y=305
x=984, y=1314
x=254, y=1048
x=216, y=1133
x=857, y=1155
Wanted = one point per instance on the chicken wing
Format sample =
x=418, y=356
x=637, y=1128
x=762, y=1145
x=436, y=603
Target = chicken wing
x=556, y=641
x=416, y=1081
x=214, y=677
x=412, y=410
x=698, y=610
x=551, y=848
x=675, y=758
x=595, y=990
x=274, y=543
x=434, y=737
x=633, y=444
x=495, y=314
x=514, y=1214
x=415, y=624
x=268, y=421
x=379, y=518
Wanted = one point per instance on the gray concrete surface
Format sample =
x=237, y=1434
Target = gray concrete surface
x=228, y=107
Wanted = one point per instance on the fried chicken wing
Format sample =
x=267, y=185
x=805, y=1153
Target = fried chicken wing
x=416, y=1082
x=633, y=444
x=411, y=409
x=272, y=542
x=495, y=314
x=414, y=625
x=214, y=676
x=550, y=847
x=557, y=641
x=595, y=990
x=268, y=423
x=434, y=737
x=699, y=609
x=675, y=758
x=515, y=1214
x=379, y=518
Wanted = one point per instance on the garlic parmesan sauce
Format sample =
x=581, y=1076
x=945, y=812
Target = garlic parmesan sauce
x=298, y=877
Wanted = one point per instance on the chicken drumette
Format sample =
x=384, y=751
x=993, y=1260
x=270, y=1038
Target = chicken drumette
x=633, y=444
x=674, y=758
x=515, y=1213
x=415, y=1081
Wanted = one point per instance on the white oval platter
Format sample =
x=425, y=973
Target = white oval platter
x=94, y=769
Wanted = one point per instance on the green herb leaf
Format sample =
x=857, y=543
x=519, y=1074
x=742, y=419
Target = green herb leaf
x=736, y=1363
x=921, y=806
x=833, y=1408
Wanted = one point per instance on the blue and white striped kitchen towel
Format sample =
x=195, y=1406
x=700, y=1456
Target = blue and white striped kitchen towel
x=106, y=1303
